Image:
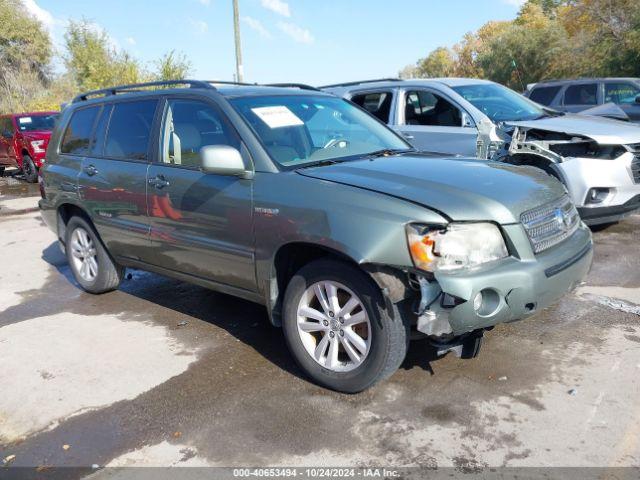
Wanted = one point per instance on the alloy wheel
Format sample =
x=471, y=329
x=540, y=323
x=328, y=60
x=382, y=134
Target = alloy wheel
x=334, y=326
x=84, y=255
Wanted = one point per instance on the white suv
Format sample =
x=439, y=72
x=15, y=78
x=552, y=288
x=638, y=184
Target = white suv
x=597, y=159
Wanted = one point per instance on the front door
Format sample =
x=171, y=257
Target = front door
x=433, y=123
x=201, y=224
x=113, y=177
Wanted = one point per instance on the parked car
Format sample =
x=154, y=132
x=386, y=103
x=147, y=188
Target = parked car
x=301, y=201
x=23, y=141
x=586, y=93
x=597, y=159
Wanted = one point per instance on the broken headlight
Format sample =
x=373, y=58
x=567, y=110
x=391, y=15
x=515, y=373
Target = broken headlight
x=456, y=246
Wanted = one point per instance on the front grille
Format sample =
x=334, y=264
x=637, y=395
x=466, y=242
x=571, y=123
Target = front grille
x=551, y=223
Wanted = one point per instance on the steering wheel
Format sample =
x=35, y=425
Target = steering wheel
x=336, y=143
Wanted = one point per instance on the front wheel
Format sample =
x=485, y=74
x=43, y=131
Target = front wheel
x=339, y=328
x=91, y=264
x=29, y=169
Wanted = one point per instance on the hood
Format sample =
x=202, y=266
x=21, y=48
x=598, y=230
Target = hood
x=609, y=110
x=460, y=189
x=603, y=130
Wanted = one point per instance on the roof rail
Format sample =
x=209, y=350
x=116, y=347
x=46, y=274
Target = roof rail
x=230, y=82
x=301, y=86
x=134, y=87
x=350, y=84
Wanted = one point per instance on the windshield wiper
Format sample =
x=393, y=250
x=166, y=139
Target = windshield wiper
x=387, y=152
x=319, y=163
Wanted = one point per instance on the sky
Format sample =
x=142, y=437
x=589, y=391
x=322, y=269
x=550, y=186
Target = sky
x=308, y=41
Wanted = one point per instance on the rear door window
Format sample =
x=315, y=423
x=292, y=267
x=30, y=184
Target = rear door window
x=129, y=130
x=544, y=95
x=77, y=136
x=621, y=93
x=582, y=94
x=376, y=103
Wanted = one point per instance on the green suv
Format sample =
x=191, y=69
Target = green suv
x=305, y=203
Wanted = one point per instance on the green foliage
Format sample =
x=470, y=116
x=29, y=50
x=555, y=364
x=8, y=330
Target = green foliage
x=23, y=40
x=439, y=63
x=93, y=61
x=548, y=39
x=172, y=66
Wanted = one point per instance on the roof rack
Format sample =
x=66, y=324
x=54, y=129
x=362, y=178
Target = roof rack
x=136, y=86
x=350, y=84
x=301, y=86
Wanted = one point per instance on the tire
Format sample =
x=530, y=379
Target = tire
x=29, y=169
x=355, y=365
x=1, y=172
x=99, y=275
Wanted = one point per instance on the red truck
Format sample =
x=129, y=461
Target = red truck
x=23, y=141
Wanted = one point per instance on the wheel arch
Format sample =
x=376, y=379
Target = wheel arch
x=64, y=212
x=291, y=257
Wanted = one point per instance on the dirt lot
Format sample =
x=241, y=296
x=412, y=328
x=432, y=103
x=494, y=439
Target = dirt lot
x=166, y=373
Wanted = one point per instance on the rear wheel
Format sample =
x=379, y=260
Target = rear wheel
x=29, y=169
x=91, y=264
x=338, y=327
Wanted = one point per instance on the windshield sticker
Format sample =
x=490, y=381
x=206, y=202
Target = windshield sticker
x=23, y=120
x=277, y=117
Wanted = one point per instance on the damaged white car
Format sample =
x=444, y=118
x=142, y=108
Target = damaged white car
x=597, y=159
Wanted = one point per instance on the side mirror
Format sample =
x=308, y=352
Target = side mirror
x=222, y=160
x=467, y=121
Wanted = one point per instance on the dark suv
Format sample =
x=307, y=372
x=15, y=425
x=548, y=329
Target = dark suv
x=587, y=93
x=303, y=202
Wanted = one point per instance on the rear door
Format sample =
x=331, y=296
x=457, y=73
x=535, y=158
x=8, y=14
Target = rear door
x=432, y=122
x=201, y=224
x=624, y=94
x=113, y=178
x=581, y=96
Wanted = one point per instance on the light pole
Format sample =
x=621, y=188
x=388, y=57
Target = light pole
x=236, y=31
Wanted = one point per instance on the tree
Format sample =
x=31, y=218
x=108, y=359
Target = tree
x=23, y=40
x=439, y=63
x=25, y=54
x=94, y=62
x=172, y=66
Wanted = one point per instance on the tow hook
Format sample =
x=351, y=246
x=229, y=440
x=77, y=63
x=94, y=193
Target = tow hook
x=465, y=346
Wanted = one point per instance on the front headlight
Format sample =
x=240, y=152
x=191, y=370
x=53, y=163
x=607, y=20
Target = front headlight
x=455, y=246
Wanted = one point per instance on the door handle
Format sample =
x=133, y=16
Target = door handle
x=90, y=170
x=159, y=182
x=408, y=136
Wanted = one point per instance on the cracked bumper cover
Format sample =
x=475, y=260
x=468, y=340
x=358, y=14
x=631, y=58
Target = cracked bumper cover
x=524, y=285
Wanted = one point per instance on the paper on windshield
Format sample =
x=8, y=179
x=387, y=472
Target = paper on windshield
x=23, y=120
x=277, y=117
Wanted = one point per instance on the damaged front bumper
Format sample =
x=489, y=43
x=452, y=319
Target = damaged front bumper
x=508, y=290
x=618, y=192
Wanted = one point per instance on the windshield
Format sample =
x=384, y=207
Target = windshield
x=500, y=103
x=300, y=130
x=34, y=123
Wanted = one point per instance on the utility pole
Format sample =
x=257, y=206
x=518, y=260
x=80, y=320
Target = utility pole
x=236, y=30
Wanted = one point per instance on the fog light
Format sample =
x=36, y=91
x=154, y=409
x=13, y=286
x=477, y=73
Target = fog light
x=597, y=195
x=486, y=302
